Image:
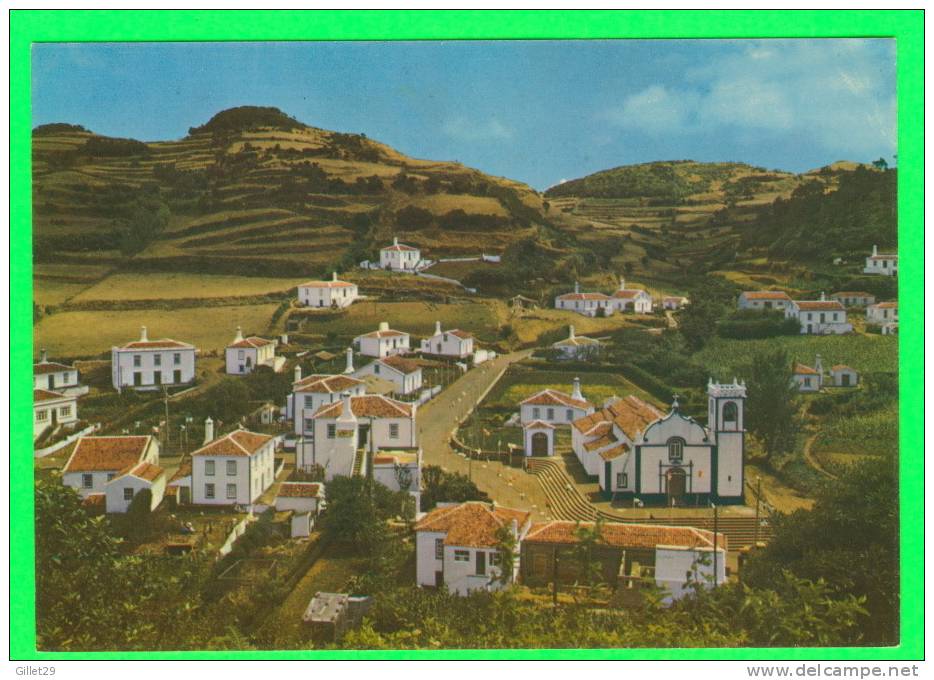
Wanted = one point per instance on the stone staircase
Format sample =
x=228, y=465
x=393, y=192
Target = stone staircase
x=566, y=502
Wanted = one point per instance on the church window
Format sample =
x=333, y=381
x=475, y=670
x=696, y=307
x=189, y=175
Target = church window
x=730, y=415
x=675, y=450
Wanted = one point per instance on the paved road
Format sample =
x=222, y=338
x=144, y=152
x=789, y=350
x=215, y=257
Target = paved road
x=437, y=419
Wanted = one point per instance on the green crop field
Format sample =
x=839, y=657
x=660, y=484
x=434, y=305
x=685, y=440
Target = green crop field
x=520, y=383
x=866, y=353
x=168, y=286
x=873, y=434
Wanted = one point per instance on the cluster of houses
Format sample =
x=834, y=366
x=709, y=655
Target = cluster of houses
x=826, y=315
x=621, y=300
x=814, y=378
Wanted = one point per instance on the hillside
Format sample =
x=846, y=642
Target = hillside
x=665, y=223
x=256, y=192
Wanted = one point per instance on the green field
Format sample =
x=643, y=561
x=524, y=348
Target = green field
x=168, y=286
x=866, y=353
x=519, y=384
x=873, y=434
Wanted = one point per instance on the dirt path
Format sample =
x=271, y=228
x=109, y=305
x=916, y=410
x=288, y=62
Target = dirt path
x=439, y=417
x=811, y=460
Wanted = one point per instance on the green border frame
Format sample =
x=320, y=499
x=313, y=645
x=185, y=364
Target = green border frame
x=29, y=26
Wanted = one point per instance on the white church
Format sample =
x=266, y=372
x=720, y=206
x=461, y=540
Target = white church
x=638, y=453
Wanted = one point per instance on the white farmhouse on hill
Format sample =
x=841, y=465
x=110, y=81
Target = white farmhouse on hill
x=311, y=393
x=333, y=293
x=451, y=343
x=405, y=374
x=554, y=407
x=146, y=364
x=113, y=470
x=808, y=378
x=577, y=346
x=382, y=342
x=764, y=299
x=234, y=469
x=819, y=317
x=399, y=257
x=854, y=298
x=245, y=354
x=399, y=470
x=458, y=546
x=882, y=313
x=51, y=409
x=56, y=377
x=674, y=302
x=631, y=299
x=883, y=264
x=588, y=304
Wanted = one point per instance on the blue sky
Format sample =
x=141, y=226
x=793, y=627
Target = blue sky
x=535, y=111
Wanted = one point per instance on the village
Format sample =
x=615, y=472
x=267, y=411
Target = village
x=669, y=497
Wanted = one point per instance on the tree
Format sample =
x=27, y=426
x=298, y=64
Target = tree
x=589, y=568
x=440, y=486
x=358, y=508
x=697, y=322
x=880, y=164
x=506, y=546
x=772, y=402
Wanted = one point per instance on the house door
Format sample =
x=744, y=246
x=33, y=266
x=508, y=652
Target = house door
x=137, y=379
x=481, y=563
x=176, y=376
x=677, y=483
x=809, y=328
x=51, y=382
x=539, y=444
x=362, y=432
x=184, y=495
x=607, y=476
x=439, y=579
x=249, y=362
x=846, y=379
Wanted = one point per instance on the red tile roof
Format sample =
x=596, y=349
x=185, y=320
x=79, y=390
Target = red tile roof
x=401, y=364
x=766, y=295
x=106, y=454
x=463, y=335
x=600, y=442
x=252, y=341
x=538, y=424
x=50, y=367
x=819, y=305
x=299, y=490
x=615, y=452
x=627, y=293
x=852, y=293
x=184, y=470
x=390, y=333
x=327, y=384
x=627, y=536
x=472, y=524
x=842, y=367
x=367, y=406
x=555, y=398
x=885, y=305
x=147, y=471
x=801, y=369
x=398, y=247
x=326, y=284
x=48, y=395
x=236, y=443
x=632, y=415
x=584, y=296
x=165, y=343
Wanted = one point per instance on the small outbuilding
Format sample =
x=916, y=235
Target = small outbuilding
x=539, y=438
x=844, y=376
x=330, y=615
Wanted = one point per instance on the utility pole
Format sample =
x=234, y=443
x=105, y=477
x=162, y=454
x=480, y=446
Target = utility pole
x=755, y=542
x=715, y=545
x=165, y=397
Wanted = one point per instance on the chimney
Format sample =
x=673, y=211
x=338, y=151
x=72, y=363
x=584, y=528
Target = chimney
x=347, y=414
x=383, y=326
x=576, y=392
x=349, y=369
x=875, y=251
x=284, y=339
x=298, y=373
x=622, y=283
x=571, y=332
x=239, y=335
x=143, y=334
x=208, y=430
x=43, y=356
x=577, y=287
x=395, y=240
x=437, y=328
x=333, y=276
x=822, y=296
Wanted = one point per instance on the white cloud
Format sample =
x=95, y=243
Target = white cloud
x=463, y=129
x=838, y=93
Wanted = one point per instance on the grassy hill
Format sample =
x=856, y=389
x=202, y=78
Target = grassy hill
x=256, y=192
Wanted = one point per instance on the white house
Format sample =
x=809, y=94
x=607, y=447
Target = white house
x=245, y=354
x=882, y=313
x=588, y=304
x=674, y=302
x=538, y=438
x=883, y=264
x=309, y=394
x=300, y=497
x=819, y=317
x=577, y=346
x=452, y=343
x=844, y=376
x=333, y=293
x=146, y=364
x=554, y=407
x=854, y=298
x=344, y=428
x=234, y=469
x=458, y=546
x=399, y=257
x=763, y=299
x=890, y=328
x=116, y=469
x=631, y=299
x=611, y=432
x=399, y=470
x=382, y=342
x=51, y=409
x=808, y=378
x=56, y=377
x=672, y=558
x=675, y=460
x=405, y=374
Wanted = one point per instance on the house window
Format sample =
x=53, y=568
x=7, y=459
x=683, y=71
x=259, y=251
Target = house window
x=569, y=415
x=834, y=316
x=462, y=556
x=231, y=468
x=156, y=359
x=209, y=468
x=622, y=480
x=536, y=413
x=393, y=430
x=209, y=491
x=332, y=431
x=42, y=415
x=376, y=369
x=232, y=491
x=110, y=475
x=309, y=424
x=66, y=378
x=64, y=411
x=177, y=358
x=128, y=494
x=137, y=360
x=495, y=559
x=87, y=481
x=309, y=401
x=675, y=450
x=807, y=382
x=240, y=354
x=551, y=414
x=439, y=548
